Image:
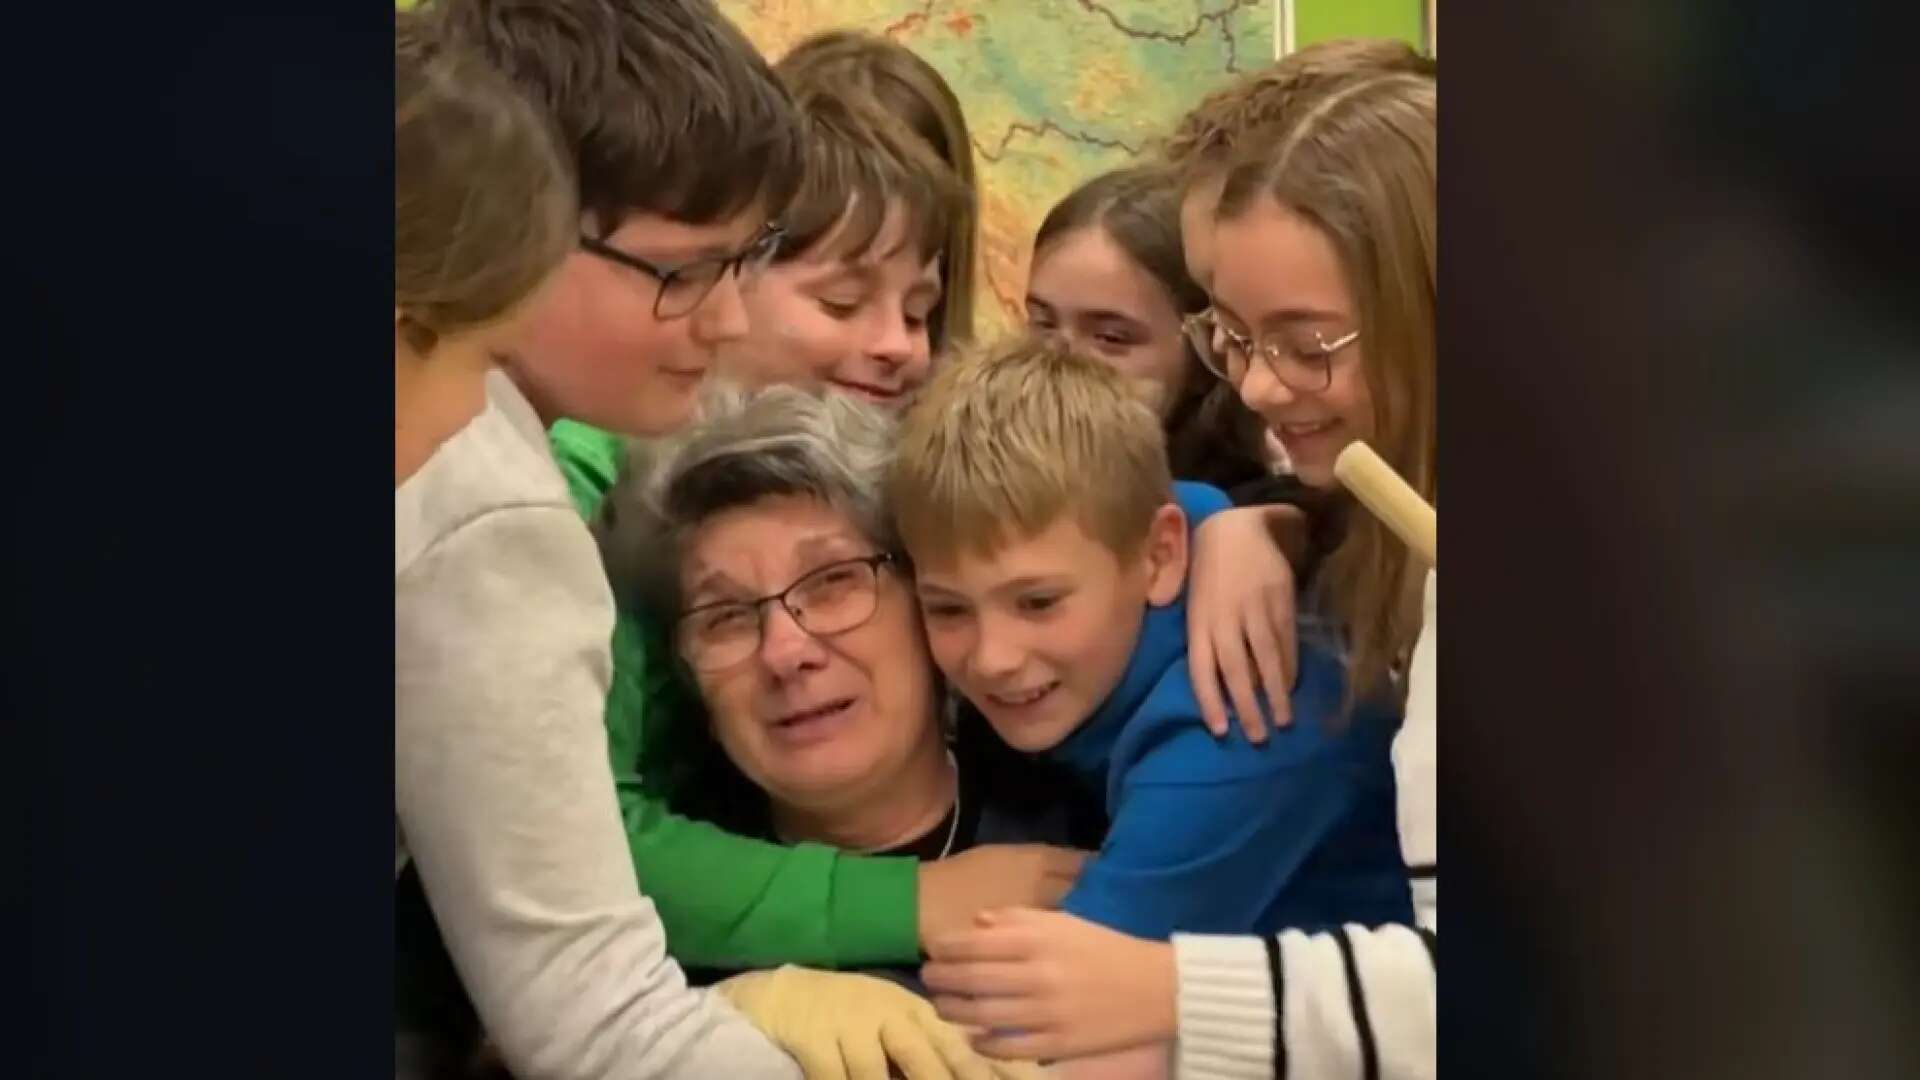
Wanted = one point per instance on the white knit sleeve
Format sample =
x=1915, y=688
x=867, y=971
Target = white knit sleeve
x=1225, y=1007
x=1351, y=1003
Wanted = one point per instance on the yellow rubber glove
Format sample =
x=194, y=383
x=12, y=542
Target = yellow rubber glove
x=843, y=1026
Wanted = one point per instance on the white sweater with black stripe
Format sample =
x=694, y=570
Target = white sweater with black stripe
x=1350, y=1003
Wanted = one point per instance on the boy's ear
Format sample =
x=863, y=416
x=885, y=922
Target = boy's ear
x=1166, y=555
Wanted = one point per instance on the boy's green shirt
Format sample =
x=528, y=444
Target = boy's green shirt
x=726, y=900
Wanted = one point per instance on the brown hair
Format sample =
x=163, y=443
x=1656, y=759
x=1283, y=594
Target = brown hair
x=912, y=90
x=1212, y=436
x=483, y=208
x=662, y=106
x=1003, y=442
x=858, y=160
x=1204, y=140
x=1360, y=164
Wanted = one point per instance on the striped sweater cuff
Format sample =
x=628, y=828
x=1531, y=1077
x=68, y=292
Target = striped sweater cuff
x=1226, y=1008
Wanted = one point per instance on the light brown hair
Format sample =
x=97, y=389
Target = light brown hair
x=1263, y=101
x=1003, y=442
x=1212, y=436
x=912, y=90
x=1360, y=164
x=858, y=162
x=662, y=106
x=483, y=208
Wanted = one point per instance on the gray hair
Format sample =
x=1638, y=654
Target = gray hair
x=746, y=446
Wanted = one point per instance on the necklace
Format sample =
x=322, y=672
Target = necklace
x=955, y=827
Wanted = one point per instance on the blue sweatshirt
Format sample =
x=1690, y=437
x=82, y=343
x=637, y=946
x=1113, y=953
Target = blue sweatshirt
x=1222, y=836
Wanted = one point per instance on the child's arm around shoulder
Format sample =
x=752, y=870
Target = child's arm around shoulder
x=1240, y=613
x=1205, y=831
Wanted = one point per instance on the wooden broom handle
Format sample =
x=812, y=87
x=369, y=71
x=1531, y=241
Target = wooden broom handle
x=1391, y=499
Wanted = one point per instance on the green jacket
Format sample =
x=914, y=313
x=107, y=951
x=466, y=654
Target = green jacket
x=726, y=901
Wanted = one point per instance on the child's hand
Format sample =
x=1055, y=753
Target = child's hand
x=1240, y=618
x=954, y=890
x=1045, y=985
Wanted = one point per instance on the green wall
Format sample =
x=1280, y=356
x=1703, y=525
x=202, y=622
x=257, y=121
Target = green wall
x=1318, y=20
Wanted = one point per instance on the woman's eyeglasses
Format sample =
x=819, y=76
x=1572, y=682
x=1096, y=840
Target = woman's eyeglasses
x=831, y=600
x=683, y=287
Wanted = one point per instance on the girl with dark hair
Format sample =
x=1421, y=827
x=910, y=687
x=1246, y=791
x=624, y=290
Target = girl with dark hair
x=1108, y=276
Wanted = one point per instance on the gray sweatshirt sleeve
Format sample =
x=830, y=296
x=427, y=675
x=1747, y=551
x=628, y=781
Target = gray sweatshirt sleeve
x=506, y=802
x=1351, y=1003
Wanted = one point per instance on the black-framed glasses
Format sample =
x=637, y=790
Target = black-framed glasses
x=831, y=600
x=683, y=287
x=1305, y=368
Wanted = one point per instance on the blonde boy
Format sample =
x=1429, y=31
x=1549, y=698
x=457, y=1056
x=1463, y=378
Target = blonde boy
x=1050, y=549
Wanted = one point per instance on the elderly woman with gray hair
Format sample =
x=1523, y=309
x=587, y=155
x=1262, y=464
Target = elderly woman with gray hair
x=763, y=534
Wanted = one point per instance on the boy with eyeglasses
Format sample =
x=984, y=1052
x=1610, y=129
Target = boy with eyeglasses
x=843, y=305
x=503, y=802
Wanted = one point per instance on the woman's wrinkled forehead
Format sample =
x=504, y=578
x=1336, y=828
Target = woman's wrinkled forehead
x=749, y=544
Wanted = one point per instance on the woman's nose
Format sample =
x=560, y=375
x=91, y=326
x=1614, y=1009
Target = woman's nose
x=785, y=646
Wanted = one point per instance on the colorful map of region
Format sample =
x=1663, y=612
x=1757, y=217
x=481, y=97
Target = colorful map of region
x=1055, y=91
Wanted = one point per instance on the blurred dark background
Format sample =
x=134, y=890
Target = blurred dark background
x=1682, y=453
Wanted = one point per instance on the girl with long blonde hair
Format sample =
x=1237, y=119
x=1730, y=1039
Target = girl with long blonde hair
x=1323, y=318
